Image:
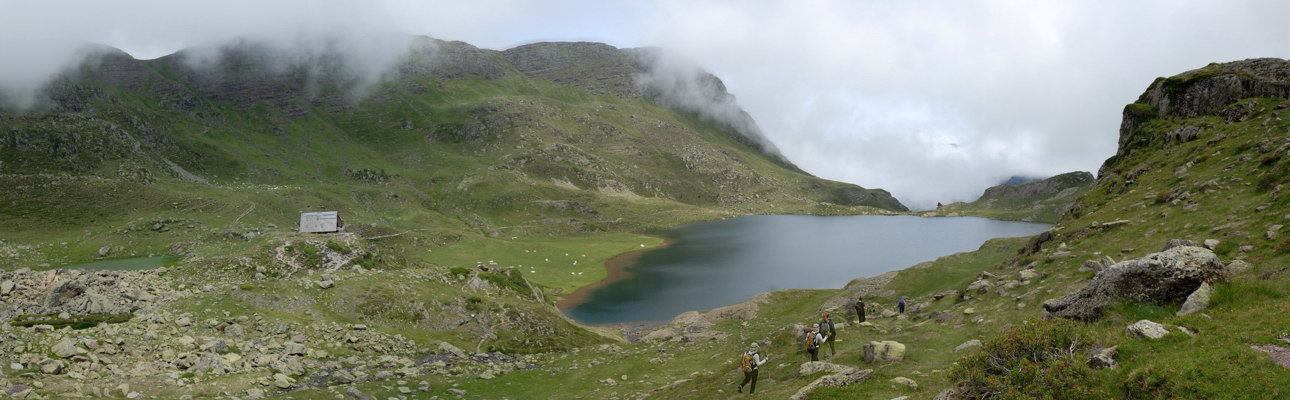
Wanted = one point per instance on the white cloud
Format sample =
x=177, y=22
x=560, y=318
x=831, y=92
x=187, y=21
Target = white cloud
x=937, y=100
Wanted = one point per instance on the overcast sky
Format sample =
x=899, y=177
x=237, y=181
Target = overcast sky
x=931, y=100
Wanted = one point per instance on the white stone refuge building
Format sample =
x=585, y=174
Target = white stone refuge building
x=321, y=222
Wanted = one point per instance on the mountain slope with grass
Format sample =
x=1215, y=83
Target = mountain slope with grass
x=457, y=172
x=1036, y=201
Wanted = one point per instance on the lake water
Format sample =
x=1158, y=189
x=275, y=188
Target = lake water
x=717, y=263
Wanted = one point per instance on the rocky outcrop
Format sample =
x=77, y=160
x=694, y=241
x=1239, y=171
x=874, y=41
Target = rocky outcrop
x=79, y=293
x=1160, y=278
x=842, y=376
x=1206, y=91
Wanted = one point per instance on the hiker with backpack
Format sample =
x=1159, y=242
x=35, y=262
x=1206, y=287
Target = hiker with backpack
x=901, y=305
x=826, y=325
x=750, y=361
x=813, y=340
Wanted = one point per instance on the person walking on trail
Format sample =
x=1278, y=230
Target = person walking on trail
x=750, y=362
x=860, y=308
x=901, y=305
x=826, y=327
x=813, y=340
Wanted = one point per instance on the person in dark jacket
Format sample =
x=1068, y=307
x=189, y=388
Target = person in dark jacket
x=901, y=305
x=860, y=308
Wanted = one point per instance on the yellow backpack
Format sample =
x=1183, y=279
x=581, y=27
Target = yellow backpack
x=747, y=361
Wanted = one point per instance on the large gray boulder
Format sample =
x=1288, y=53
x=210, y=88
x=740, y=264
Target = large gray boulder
x=1165, y=277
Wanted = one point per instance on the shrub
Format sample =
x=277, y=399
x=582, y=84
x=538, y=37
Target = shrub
x=1146, y=384
x=1037, y=359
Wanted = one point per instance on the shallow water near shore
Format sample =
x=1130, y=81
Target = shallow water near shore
x=716, y=263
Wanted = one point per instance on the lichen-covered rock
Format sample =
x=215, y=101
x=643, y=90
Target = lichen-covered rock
x=1198, y=300
x=1165, y=277
x=1103, y=358
x=1147, y=329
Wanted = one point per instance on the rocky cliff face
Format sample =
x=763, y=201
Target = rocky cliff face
x=1206, y=91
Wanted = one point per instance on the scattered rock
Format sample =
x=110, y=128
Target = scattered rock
x=848, y=376
x=944, y=293
x=1164, y=277
x=1211, y=243
x=1172, y=243
x=445, y=347
x=979, y=286
x=1198, y=300
x=458, y=392
x=184, y=322
x=325, y=284
x=900, y=380
x=283, y=381
x=1147, y=329
x=66, y=348
x=6, y=287
x=1027, y=275
x=952, y=393
x=1235, y=267
x=967, y=345
x=1103, y=358
x=356, y=394
x=886, y=350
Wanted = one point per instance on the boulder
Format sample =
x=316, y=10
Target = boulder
x=325, y=284
x=1198, y=300
x=968, y=345
x=886, y=350
x=1235, y=267
x=900, y=380
x=1165, y=277
x=1103, y=358
x=445, y=347
x=979, y=286
x=209, y=362
x=1027, y=275
x=354, y=393
x=66, y=348
x=6, y=287
x=1147, y=329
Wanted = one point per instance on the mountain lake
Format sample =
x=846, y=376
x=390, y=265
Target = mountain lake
x=716, y=263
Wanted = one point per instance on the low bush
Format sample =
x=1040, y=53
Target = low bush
x=1038, y=359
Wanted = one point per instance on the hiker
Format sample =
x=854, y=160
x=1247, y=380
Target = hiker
x=750, y=361
x=826, y=326
x=901, y=305
x=860, y=308
x=813, y=342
